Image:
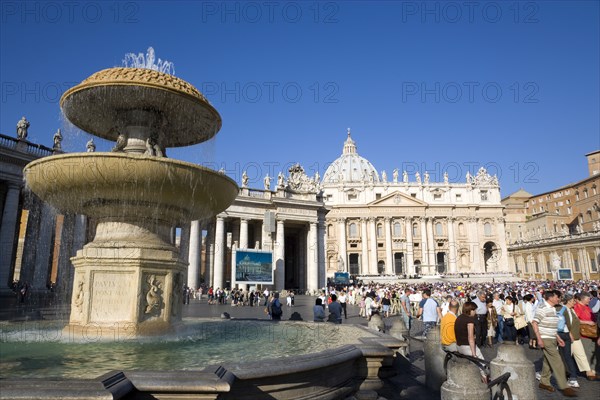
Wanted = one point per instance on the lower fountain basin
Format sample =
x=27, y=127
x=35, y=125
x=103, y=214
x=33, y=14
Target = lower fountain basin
x=130, y=186
x=41, y=350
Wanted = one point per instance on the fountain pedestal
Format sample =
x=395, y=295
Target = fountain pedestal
x=120, y=291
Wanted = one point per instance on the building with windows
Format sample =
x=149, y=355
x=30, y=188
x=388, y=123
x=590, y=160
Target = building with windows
x=556, y=229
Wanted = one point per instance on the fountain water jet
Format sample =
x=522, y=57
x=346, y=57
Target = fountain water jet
x=129, y=279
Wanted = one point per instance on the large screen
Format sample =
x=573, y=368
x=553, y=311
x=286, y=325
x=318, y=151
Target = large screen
x=254, y=267
x=565, y=274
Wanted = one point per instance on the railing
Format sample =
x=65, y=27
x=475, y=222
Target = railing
x=32, y=148
x=503, y=392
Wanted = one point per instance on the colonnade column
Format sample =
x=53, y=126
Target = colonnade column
x=389, y=267
x=194, y=255
x=280, y=257
x=424, y=253
x=342, y=252
x=219, y=253
x=364, y=258
x=8, y=234
x=372, y=247
x=209, y=253
x=321, y=278
x=410, y=264
x=243, y=233
x=312, y=264
x=451, y=246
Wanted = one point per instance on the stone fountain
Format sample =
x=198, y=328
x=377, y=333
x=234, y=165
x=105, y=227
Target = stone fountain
x=128, y=281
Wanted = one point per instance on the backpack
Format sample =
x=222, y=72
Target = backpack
x=276, y=307
x=562, y=322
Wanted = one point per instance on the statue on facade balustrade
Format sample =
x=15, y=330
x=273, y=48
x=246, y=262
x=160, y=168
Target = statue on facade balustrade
x=405, y=176
x=395, y=175
x=22, y=127
x=267, y=182
x=57, y=139
x=90, y=146
x=244, y=179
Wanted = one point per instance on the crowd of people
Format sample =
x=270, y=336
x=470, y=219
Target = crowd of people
x=558, y=318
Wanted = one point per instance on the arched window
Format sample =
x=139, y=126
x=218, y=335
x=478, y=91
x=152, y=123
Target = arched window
x=353, y=230
x=439, y=230
x=461, y=229
x=379, y=230
x=330, y=230
x=397, y=229
x=487, y=229
x=415, y=229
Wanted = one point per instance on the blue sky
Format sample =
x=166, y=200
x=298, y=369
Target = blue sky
x=434, y=86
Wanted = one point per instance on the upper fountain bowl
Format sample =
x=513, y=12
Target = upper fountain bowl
x=97, y=105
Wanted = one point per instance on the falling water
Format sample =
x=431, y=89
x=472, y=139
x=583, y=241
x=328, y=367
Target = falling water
x=140, y=60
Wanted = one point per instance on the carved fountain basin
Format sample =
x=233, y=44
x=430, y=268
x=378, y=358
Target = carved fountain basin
x=130, y=186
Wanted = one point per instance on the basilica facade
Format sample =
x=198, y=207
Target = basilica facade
x=356, y=220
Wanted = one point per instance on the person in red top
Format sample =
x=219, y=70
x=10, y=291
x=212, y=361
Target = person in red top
x=584, y=313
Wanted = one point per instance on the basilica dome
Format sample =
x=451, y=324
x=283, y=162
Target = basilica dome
x=350, y=167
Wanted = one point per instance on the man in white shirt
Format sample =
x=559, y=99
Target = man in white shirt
x=498, y=303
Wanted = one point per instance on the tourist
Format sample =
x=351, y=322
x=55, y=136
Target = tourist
x=492, y=322
x=510, y=312
x=464, y=330
x=318, y=311
x=498, y=303
x=429, y=310
x=405, y=307
x=563, y=329
x=386, y=303
x=584, y=313
x=481, y=315
x=335, y=310
x=275, y=310
x=448, y=336
x=528, y=310
x=545, y=326
x=445, y=305
x=288, y=300
x=343, y=299
x=266, y=296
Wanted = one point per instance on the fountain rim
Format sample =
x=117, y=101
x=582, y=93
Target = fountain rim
x=125, y=77
x=86, y=83
x=144, y=157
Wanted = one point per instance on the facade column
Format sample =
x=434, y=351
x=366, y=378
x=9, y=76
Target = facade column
x=451, y=246
x=280, y=257
x=43, y=247
x=424, y=242
x=503, y=261
x=342, y=252
x=410, y=264
x=243, y=233
x=220, y=251
x=195, y=252
x=312, y=265
x=431, y=246
x=389, y=267
x=583, y=264
x=474, y=246
x=372, y=247
x=364, y=258
x=8, y=234
x=321, y=277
